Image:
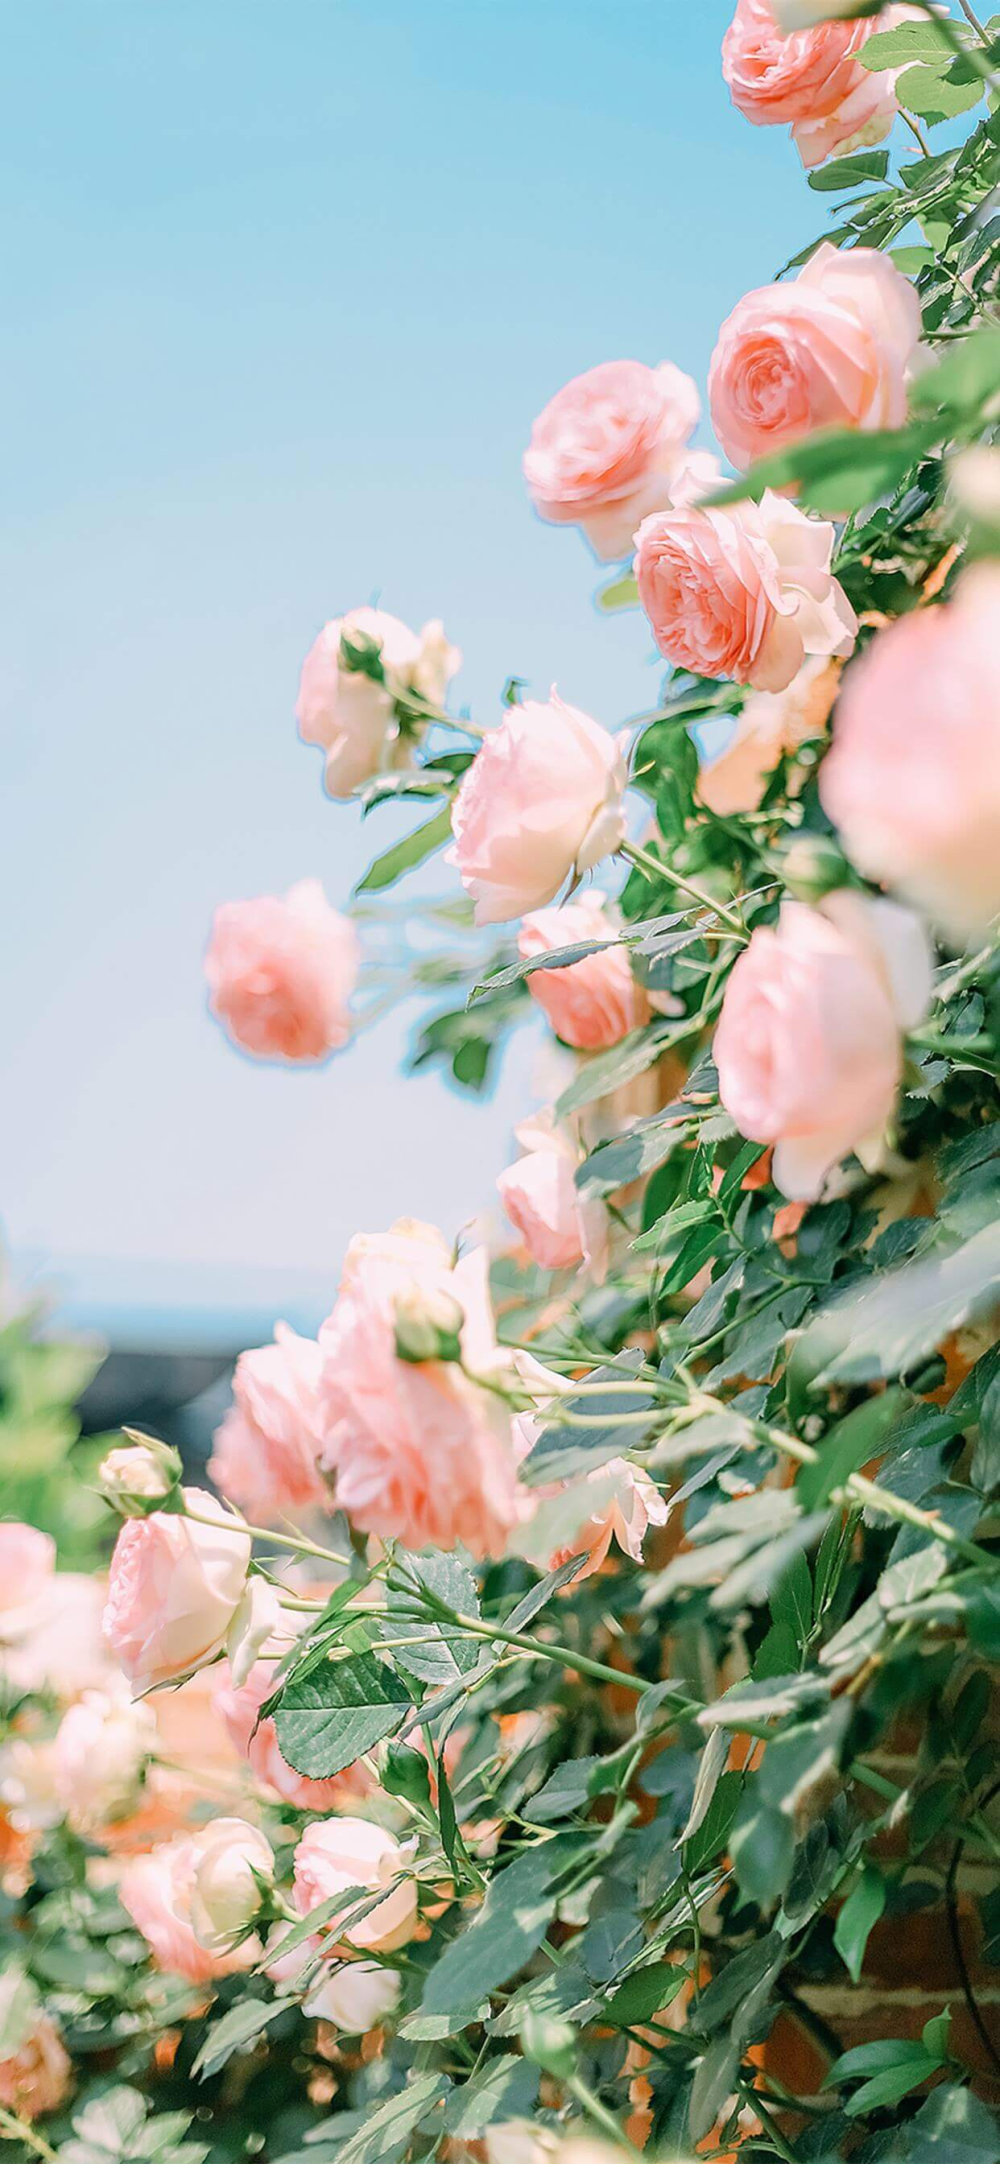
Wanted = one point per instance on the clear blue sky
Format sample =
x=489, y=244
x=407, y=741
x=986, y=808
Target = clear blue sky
x=287, y=281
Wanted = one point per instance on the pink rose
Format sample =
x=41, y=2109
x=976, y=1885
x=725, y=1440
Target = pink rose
x=834, y=350
x=811, y=78
x=913, y=778
x=809, y=1043
x=157, y=1889
x=36, y=2078
x=606, y=448
x=541, y=800
x=745, y=592
x=771, y=726
x=420, y=1453
x=257, y=1741
x=338, y=1853
x=350, y=710
x=266, y=1450
x=615, y=1502
x=593, y=1003
x=174, y=1586
x=27, y=1563
x=540, y=1195
x=281, y=970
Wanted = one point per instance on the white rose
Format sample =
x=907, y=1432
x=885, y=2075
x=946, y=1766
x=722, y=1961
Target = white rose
x=355, y=1998
x=233, y=1865
x=101, y=1749
x=139, y=1473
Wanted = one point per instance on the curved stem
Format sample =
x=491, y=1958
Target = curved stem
x=646, y=862
x=917, y=131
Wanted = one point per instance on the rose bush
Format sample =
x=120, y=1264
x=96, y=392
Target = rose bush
x=590, y=1730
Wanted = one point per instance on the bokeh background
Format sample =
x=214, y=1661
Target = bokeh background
x=287, y=281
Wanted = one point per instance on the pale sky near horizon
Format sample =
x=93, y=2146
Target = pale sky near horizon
x=287, y=285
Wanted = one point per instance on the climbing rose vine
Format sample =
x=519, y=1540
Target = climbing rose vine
x=571, y=1720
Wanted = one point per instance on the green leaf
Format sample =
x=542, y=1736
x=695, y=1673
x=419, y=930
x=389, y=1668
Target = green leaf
x=888, y=1325
x=763, y=1851
x=565, y=1450
x=891, y=2086
x=967, y=375
x=862, y=1435
x=19, y=2006
x=452, y=1652
x=931, y=92
x=645, y=1993
x=874, y=2059
x=330, y=1717
x=847, y=172
x=953, y=2125
x=238, y=2027
x=606, y=1071
x=505, y=2088
x=857, y=1918
x=414, y=849
x=519, y=1905
x=633, y=1156
x=894, y=48
x=388, y=2128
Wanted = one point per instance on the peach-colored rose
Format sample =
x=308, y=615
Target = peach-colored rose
x=36, y=2079
x=337, y=1853
x=615, y=1502
x=58, y=1646
x=913, y=778
x=606, y=448
x=420, y=1453
x=174, y=1586
x=540, y=1195
x=809, y=1043
x=267, y=1447
x=156, y=1889
x=355, y=1998
x=280, y=971
x=771, y=726
x=257, y=1741
x=350, y=710
x=593, y=1003
x=810, y=79
x=834, y=350
x=27, y=1562
x=541, y=800
x=745, y=592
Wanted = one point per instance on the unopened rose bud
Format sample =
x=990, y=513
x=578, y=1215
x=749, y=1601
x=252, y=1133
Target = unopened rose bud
x=811, y=866
x=406, y=1773
x=137, y=1478
x=234, y=1868
x=428, y=1326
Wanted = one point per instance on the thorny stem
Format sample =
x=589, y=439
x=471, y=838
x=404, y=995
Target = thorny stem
x=646, y=862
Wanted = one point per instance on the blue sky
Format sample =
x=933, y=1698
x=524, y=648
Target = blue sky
x=288, y=281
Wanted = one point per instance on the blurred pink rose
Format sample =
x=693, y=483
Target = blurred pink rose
x=420, y=1453
x=156, y=1890
x=265, y=1457
x=257, y=1742
x=338, y=1853
x=174, y=1586
x=540, y=1195
x=809, y=1043
x=349, y=711
x=913, y=778
x=811, y=78
x=593, y=1003
x=37, y=2078
x=606, y=448
x=834, y=350
x=541, y=800
x=745, y=592
x=281, y=970
x=771, y=726
x=27, y=1563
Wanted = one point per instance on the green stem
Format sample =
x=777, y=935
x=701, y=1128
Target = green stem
x=276, y=1540
x=917, y=131
x=774, y=2135
x=600, y=2113
x=563, y=1656
x=646, y=862
x=972, y=17
x=14, y=2129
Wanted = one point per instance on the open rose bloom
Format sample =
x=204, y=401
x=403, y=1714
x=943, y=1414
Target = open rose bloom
x=786, y=66
x=594, y=1002
x=559, y=1226
x=771, y=725
x=745, y=592
x=913, y=779
x=348, y=707
x=833, y=350
x=610, y=447
x=809, y=1044
x=266, y=1454
x=281, y=971
x=420, y=1452
x=541, y=802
